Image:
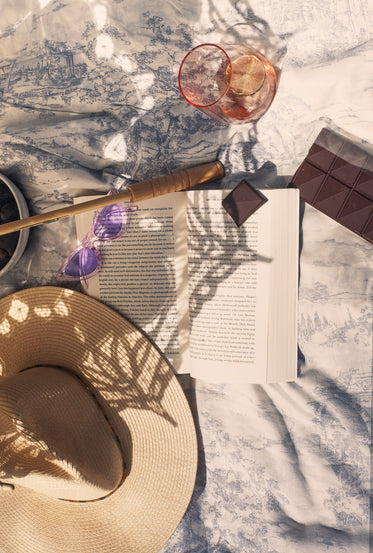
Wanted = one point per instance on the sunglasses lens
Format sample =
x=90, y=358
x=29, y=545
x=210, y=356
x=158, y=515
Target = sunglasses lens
x=110, y=222
x=82, y=264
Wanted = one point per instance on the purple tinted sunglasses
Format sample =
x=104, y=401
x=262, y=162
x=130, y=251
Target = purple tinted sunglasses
x=108, y=223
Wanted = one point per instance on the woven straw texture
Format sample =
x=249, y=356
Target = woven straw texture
x=142, y=399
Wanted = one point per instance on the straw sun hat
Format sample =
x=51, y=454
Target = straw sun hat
x=97, y=443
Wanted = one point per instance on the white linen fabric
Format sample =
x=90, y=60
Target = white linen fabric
x=89, y=98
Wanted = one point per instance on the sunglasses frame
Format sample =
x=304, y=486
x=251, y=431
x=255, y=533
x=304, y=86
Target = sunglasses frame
x=91, y=239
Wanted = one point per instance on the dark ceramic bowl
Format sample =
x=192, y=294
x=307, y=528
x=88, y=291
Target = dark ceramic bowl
x=12, y=207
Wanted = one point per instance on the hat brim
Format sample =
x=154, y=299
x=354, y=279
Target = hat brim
x=144, y=402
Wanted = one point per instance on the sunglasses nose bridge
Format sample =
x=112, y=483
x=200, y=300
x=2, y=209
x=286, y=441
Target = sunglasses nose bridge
x=108, y=224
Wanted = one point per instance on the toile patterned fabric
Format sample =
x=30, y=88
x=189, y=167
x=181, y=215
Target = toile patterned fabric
x=89, y=98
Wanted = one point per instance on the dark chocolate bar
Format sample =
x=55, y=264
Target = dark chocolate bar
x=336, y=177
x=243, y=201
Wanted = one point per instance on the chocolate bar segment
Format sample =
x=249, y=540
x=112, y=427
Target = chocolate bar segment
x=336, y=177
x=356, y=212
x=364, y=184
x=321, y=158
x=368, y=231
x=344, y=171
x=242, y=202
x=309, y=181
x=331, y=197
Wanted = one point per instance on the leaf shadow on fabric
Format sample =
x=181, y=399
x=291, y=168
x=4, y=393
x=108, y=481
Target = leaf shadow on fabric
x=125, y=371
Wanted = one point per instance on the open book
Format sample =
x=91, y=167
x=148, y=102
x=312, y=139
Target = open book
x=218, y=300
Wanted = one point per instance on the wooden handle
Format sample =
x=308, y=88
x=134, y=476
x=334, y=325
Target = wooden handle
x=182, y=180
x=146, y=190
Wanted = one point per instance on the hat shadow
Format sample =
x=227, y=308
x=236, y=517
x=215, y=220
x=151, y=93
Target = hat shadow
x=13, y=459
x=116, y=393
x=124, y=370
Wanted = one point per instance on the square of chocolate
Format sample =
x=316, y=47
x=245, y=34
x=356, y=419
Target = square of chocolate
x=331, y=197
x=345, y=171
x=356, y=212
x=243, y=201
x=367, y=232
x=308, y=179
x=320, y=157
x=364, y=183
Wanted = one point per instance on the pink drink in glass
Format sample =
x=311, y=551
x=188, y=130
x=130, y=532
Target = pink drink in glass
x=233, y=83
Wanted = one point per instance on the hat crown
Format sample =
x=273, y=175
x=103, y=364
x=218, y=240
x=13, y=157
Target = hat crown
x=45, y=327
x=55, y=438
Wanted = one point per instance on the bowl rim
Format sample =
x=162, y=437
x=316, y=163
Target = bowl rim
x=24, y=233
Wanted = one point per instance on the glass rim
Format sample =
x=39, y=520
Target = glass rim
x=228, y=83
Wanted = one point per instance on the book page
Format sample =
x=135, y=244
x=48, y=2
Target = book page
x=283, y=305
x=229, y=282
x=144, y=274
x=220, y=304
